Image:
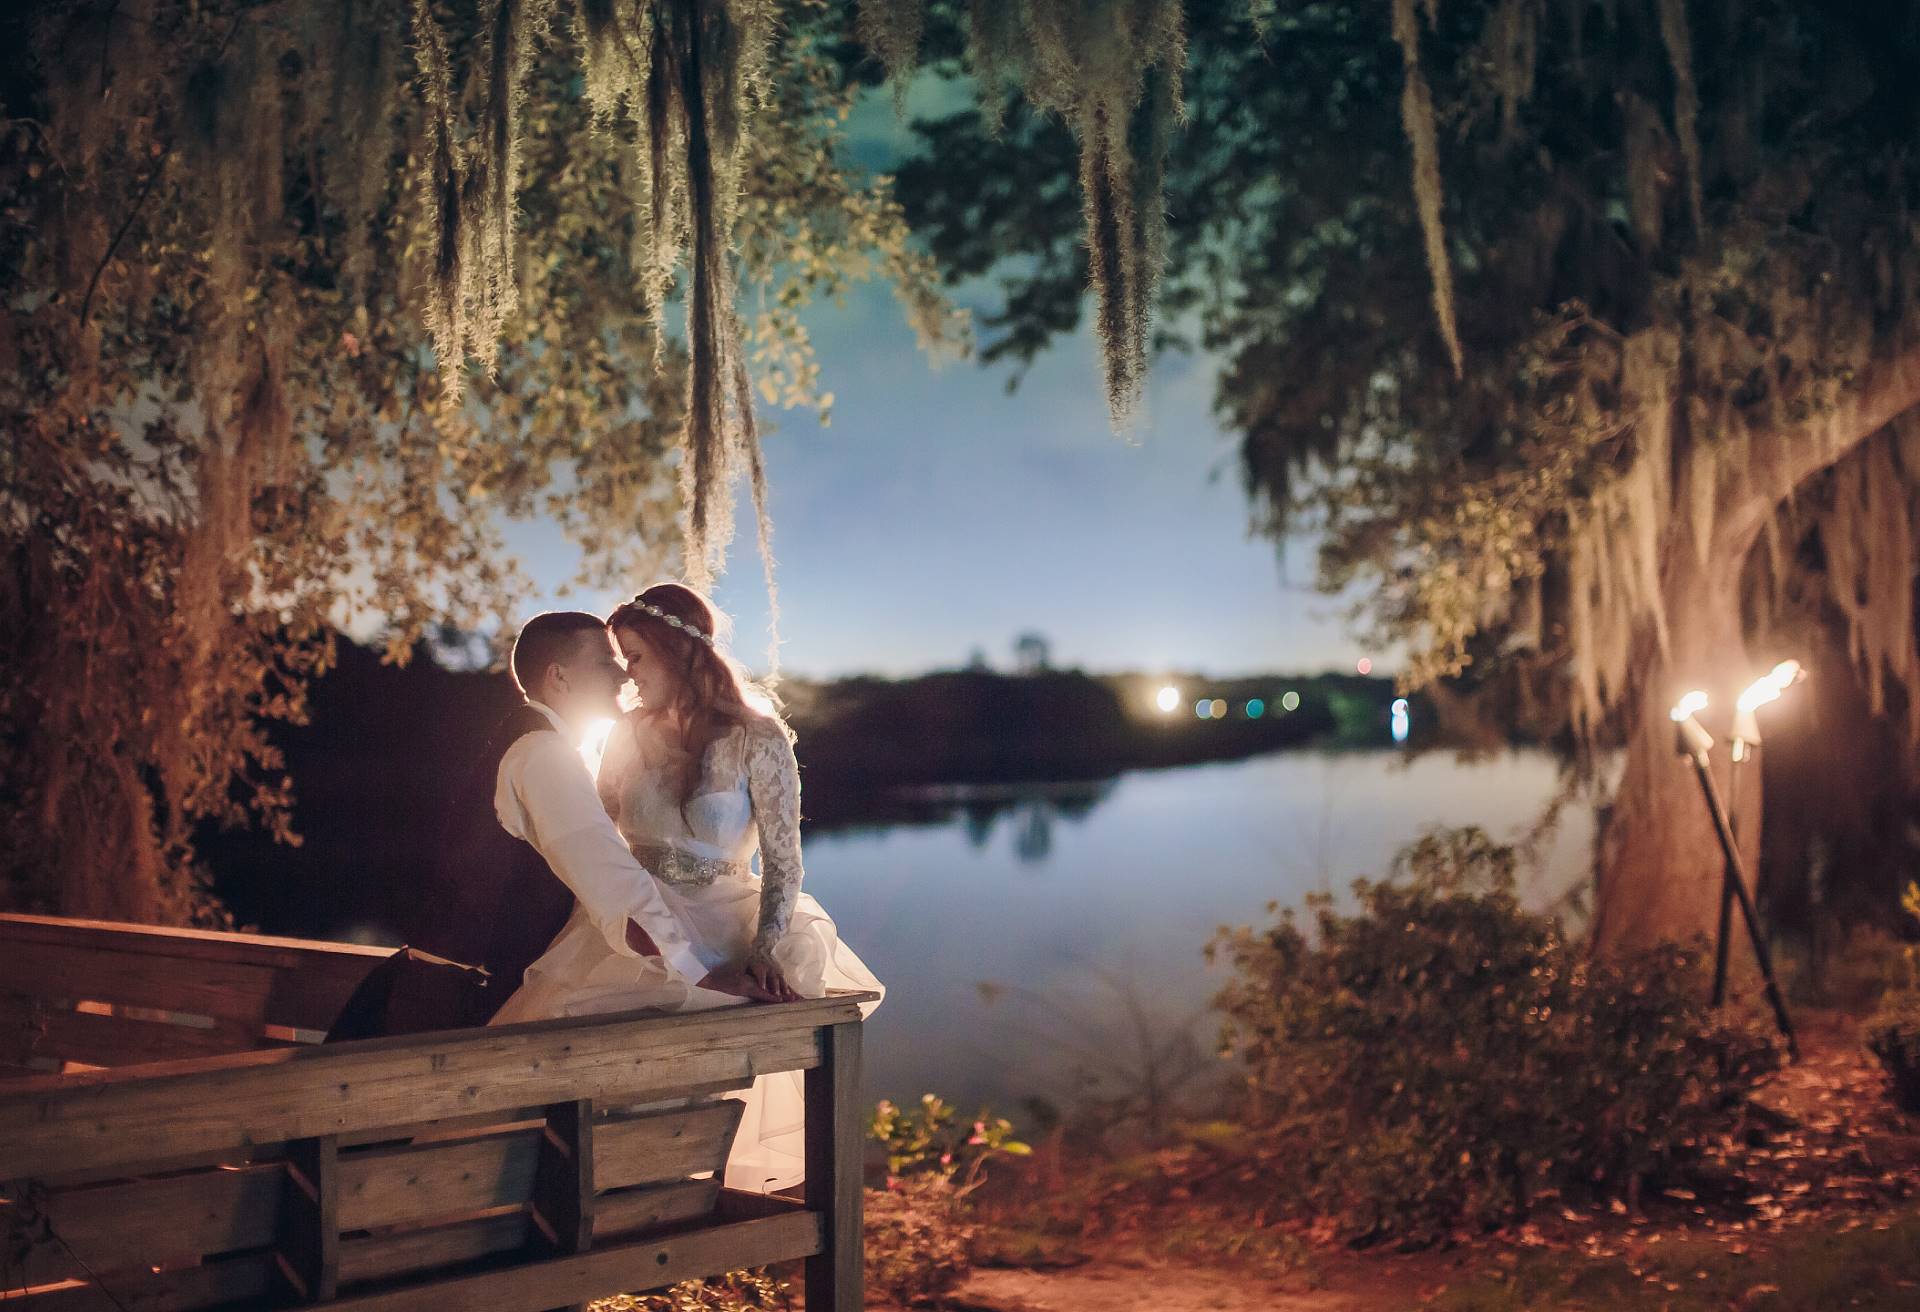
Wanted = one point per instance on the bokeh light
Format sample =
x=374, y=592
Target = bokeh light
x=1256, y=708
x=1203, y=709
x=1364, y=665
x=1402, y=719
x=1290, y=701
x=1167, y=698
x=1219, y=709
x=593, y=745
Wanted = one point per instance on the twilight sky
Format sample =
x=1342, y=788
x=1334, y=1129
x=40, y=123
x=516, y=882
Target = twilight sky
x=938, y=514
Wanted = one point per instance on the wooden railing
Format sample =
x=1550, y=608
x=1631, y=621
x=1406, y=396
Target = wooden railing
x=172, y=1136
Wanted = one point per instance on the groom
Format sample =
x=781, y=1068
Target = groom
x=525, y=838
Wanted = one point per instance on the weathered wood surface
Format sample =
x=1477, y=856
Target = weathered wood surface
x=665, y=1145
x=647, y=1263
x=244, y=1281
x=307, y=1233
x=835, y=1132
x=629, y=1211
x=532, y=1166
x=171, y=1216
x=644, y=1264
x=52, y=1031
x=422, y=1180
x=103, y=994
x=96, y=1119
x=641, y=1165
x=298, y=983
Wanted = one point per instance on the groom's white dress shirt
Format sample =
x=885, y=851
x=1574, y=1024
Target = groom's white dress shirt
x=544, y=795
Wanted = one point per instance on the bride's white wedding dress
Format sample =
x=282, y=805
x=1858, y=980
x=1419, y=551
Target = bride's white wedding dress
x=747, y=799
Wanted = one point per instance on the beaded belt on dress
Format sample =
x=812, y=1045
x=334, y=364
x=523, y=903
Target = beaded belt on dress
x=678, y=867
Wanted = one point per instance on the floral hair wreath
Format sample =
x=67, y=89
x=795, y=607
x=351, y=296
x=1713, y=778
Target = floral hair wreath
x=641, y=603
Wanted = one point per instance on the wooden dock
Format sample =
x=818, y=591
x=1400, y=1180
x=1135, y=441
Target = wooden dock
x=173, y=1136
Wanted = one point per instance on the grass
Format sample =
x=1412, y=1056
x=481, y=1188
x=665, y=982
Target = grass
x=1821, y=1267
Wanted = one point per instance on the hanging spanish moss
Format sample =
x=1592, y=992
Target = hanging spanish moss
x=470, y=180
x=361, y=55
x=680, y=79
x=1673, y=438
x=1512, y=42
x=1416, y=113
x=891, y=30
x=227, y=230
x=689, y=92
x=1678, y=39
x=1112, y=69
x=197, y=165
x=1862, y=517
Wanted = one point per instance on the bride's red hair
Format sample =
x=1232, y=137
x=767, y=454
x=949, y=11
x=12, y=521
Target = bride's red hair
x=710, y=694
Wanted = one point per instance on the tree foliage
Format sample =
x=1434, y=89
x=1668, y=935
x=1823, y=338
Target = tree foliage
x=1673, y=253
x=1589, y=300
x=1109, y=72
x=228, y=234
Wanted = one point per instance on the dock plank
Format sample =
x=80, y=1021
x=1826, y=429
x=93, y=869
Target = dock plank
x=97, y=1119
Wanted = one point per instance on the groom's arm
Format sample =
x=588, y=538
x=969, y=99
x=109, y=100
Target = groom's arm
x=547, y=797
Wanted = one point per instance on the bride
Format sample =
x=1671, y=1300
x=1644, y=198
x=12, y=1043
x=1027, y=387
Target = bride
x=698, y=777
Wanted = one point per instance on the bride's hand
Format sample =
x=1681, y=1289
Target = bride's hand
x=735, y=981
x=768, y=975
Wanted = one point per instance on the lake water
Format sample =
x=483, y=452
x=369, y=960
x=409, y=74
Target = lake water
x=1050, y=943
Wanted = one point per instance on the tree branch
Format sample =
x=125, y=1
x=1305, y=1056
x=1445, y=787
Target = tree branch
x=93, y=283
x=1781, y=463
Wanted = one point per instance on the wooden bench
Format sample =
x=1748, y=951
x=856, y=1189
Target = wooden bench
x=173, y=1136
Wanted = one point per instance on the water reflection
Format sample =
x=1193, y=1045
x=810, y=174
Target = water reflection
x=1028, y=812
x=1088, y=984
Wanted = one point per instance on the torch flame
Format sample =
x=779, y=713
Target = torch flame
x=1769, y=686
x=1689, y=706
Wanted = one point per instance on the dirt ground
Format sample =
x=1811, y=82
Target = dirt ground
x=1135, y=1281
x=1809, y=1204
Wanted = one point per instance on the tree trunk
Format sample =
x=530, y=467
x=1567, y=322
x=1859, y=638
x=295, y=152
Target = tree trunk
x=1659, y=862
x=1658, y=866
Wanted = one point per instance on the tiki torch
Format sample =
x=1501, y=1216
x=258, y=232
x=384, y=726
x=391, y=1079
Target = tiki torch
x=1745, y=746
x=1696, y=744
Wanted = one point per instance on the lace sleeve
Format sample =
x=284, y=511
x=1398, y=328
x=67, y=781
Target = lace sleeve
x=773, y=783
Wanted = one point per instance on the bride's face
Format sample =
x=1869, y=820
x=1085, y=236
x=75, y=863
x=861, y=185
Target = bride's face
x=653, y=683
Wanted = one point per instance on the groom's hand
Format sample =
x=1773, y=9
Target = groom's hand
x=734, y=980
x=727, y=979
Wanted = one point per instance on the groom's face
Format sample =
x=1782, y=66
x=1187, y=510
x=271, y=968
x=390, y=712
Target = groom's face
x=593, y=679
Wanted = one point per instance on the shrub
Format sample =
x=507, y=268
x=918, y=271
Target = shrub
x=1894, y=1032
x=1441, y=1058
x=919, y=1239
x=919, y=1229
x=932, y=1139
x=1858, y=972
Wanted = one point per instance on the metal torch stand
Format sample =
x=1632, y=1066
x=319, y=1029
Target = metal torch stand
x=1734, y=887
x=1723, y=935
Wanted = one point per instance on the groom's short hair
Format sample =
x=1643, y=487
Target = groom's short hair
x=550, y=636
